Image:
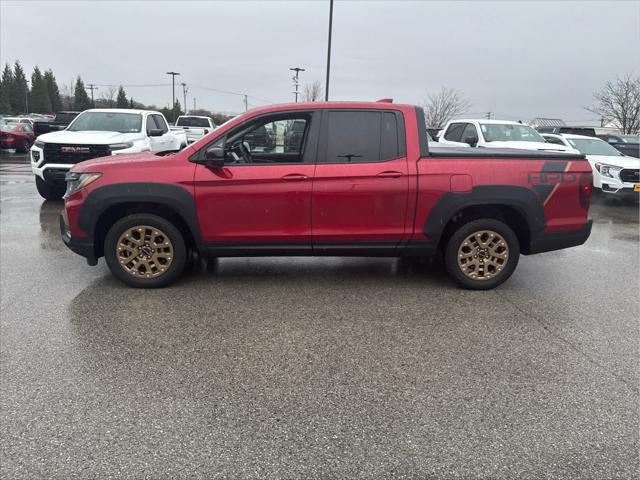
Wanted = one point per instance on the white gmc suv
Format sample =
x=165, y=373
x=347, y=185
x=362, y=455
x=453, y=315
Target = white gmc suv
x=99, y=133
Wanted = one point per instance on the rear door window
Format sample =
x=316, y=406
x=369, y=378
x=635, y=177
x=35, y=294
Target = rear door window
x=151, y=124
x=470, y=132
x=454, y=132
x=162, y=125
x=361, y=137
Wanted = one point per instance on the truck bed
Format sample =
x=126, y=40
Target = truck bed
x=461, y=152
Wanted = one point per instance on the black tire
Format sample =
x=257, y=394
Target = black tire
x=179, y=251
x=49, y=191
x=488, y=276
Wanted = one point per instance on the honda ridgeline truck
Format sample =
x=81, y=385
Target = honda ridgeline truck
x=362, y=182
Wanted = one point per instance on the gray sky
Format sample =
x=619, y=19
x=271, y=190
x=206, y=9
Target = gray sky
x=518, y=59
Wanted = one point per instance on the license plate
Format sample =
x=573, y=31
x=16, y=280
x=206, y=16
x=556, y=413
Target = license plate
x=636, y=187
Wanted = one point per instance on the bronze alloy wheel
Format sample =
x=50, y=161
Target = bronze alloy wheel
x=483, y=255
x=144, y=251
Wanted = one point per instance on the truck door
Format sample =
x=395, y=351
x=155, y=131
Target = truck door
x=361, y=184
x=261, y=198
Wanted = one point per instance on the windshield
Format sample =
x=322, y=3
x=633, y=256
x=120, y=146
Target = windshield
x=192, y=122
x=630, y=138
x=107, y=122
x=593, y=146
x=65, y=117
x=506, y=132
x=9, y=127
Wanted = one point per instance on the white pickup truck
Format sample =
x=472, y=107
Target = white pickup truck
x=495, y=134
x=194, y=126
x=99, y=133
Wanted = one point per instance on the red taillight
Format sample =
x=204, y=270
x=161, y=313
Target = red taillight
x=586, y=186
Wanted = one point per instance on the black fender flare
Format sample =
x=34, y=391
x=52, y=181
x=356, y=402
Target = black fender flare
x=174, y=197
x=524, y=200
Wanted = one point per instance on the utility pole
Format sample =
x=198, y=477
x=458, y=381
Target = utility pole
x=326, y=84
x=92, y=87
x=488, y=115
x=194, y=104
x=246, y=103
x=184, y=96
x=173, y=94
x=295, y=80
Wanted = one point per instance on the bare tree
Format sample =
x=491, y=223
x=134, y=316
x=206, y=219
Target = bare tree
x=443, y=106
x=312, y=92
x=619, y=101
x=66, y=93
x=108, y=97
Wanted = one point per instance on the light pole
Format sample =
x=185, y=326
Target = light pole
x=184, y=96
x=326, y=84
x=173, y=94
x=92, y=87
x=295, y=79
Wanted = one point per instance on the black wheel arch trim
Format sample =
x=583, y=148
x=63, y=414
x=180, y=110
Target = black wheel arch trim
x=524, y=200
x=174, y=197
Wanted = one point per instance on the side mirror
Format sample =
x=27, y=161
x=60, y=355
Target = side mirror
x=156, y=132
x=215, y=157
x=472, y=141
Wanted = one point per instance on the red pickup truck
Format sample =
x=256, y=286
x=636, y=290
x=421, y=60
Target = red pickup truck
x=363, y=181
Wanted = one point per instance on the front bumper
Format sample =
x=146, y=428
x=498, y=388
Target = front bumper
x=83, y=246
x=611, y=184
x=558, y=240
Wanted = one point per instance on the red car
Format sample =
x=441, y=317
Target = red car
x=19, y=136
x=362, y=181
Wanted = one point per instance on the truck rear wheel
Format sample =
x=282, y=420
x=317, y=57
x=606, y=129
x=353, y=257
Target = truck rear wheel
x=482, y=254
x=145, y=251
x=49, y=191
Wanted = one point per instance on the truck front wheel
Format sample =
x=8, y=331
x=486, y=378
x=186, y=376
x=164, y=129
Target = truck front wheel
x=145, y=251
x=482, y=254
x=49, y=191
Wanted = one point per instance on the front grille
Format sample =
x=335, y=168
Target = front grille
x=628, y=175
x=53, y=152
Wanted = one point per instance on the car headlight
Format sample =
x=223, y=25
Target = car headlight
x=121, y=146
x=39, y=144
x=610, y=171
x=77, y=181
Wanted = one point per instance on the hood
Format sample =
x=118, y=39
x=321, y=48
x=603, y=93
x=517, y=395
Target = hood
x=98, y=164
x=532, y=146
x=615, y=160
x=89, y=137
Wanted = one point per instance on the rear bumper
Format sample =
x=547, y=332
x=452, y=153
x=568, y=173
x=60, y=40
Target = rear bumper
x=556, y=241
x=83, y=246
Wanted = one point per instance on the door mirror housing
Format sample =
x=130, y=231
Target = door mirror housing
x=214, y=157
x=155, y=132
x=472, y=141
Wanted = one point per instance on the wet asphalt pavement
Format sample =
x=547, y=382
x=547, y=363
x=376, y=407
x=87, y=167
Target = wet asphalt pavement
x=316, y=368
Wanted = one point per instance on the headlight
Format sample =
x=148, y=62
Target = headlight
x=77, y=181
x=610, y=171
x=39, y=144
x=120, y=146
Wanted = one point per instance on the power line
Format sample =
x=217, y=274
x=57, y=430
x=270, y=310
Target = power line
x=231, y=93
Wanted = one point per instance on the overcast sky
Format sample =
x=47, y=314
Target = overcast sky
x=517, y=59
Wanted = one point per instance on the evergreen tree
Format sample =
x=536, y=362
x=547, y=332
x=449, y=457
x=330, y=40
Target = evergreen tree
x=39, y=100
x=81, y=100
x=52, y=89
x=6, y=82
x=121, y=99
x=19, y=90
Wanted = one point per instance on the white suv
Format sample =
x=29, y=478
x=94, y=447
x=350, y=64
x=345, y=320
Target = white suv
x=613, y=171
x=495, y=134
